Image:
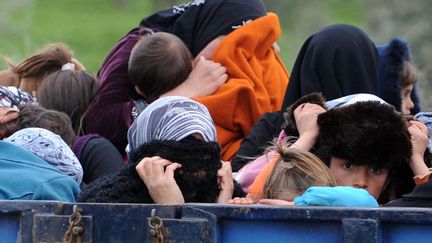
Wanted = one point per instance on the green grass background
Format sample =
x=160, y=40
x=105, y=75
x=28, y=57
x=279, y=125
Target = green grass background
x=91, y=27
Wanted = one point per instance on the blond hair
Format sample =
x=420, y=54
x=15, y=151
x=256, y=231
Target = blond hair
x=294, y=171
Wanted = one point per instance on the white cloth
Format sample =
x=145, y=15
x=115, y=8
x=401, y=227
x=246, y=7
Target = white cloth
x=352, y=99
x=171, y=118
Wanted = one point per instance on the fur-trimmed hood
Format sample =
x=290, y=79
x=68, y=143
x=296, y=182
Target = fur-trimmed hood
x=391, y=58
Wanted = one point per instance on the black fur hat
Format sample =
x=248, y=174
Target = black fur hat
x=196, y=178
x=365, y=133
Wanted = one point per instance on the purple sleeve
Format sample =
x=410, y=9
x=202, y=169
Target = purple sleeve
x=109, y=114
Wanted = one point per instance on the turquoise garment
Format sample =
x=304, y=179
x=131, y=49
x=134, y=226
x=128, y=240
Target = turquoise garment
x=339, y=196
x=24, y=176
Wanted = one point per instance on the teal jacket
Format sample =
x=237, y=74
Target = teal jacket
x=338, y=196
x=24, y=176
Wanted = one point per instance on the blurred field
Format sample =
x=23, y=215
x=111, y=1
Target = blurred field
x=90, y=28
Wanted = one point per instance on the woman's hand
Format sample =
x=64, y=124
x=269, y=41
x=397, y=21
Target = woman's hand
x=158, y=175
x=241, y=201
x=6, y=115
x=226, y=183
x=276, y=202
x=206, y=77
x=419, y=140
x=306, y=116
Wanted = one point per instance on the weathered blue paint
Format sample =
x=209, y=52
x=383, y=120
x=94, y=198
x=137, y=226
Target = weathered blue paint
x=38, y=221
x=9, y=227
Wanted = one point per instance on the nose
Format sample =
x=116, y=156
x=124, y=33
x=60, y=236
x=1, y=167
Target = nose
x=410, y=104
x=360, y=178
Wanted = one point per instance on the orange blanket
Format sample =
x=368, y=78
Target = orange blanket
x=257, y=81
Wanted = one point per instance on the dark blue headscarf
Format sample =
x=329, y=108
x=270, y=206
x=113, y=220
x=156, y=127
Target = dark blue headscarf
x=392, y=56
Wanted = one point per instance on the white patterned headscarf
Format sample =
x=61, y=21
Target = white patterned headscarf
x=353, y=99
x=51, y=148
x=11, y=96
x=171, y=118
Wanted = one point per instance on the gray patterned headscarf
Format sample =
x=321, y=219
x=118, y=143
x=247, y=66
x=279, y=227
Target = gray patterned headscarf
x=171, y=118
x=11, y=96
x=51, y=148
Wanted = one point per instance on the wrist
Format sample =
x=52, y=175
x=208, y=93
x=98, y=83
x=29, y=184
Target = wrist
x=306, y=141
x=418, y=165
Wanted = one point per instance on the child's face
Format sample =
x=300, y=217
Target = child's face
x=407, y=103
x=359, y=176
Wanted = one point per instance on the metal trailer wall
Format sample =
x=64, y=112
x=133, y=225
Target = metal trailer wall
x=45, y=221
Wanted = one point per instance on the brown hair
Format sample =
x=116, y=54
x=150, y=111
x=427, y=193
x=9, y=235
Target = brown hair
x=37, y=116
x=68, y=91
x=45, y=61
x=409, y=74
x=295, y=171
x=158, y=63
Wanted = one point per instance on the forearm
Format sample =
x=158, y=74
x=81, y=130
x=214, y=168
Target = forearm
x=420, y=170
x=305, y=141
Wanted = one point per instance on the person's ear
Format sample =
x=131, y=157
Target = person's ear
x=138, y=90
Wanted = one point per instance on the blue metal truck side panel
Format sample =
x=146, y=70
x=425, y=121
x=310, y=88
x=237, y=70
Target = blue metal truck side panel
x=39, y=221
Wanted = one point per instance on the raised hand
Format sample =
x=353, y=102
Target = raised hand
x=306, y=116
x=419, y=140
x=206, y=77
x=158, y=175
x=225, y=181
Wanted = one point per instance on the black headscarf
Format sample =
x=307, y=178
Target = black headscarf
x=337, y=61
x=199, y=22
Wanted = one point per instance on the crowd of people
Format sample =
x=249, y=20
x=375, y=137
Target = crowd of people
x=196, y=105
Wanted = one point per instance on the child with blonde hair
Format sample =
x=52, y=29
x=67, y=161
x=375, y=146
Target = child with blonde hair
x=294, y=176
x=289, y=173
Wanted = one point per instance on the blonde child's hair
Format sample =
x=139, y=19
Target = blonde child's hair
x=294, y=171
